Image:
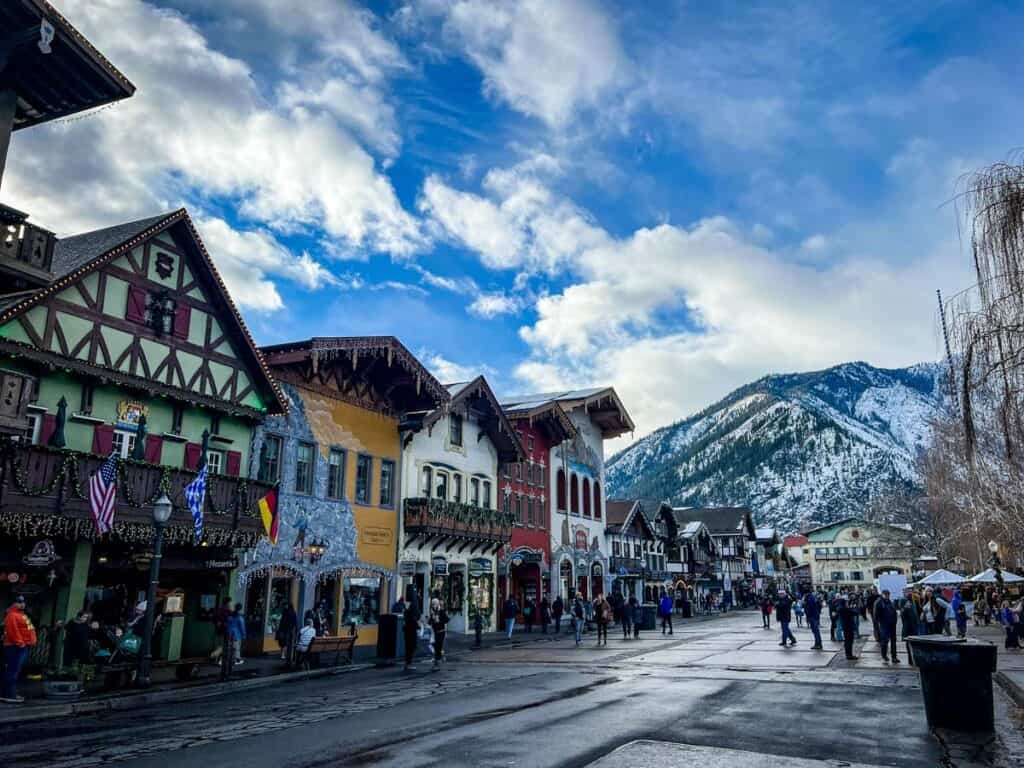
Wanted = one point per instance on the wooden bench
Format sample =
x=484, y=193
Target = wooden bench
x=121, y=674
x=338, y=645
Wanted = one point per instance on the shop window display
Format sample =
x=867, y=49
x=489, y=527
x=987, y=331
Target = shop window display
x=362, y=600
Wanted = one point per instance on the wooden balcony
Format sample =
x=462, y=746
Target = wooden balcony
x=26, y=251
x=455, y=526
x=45, y=491
x=631, y=565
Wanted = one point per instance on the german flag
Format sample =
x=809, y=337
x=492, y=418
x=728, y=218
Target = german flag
x=268, y=511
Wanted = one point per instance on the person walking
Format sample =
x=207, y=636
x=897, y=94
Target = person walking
x=812, y=607
x=578, y=615
x=236, y=631
x=545, y=613
x=557, y=609
x=302, y=643
x=287, y=625
x=627, y=618
x=784, y=614
x=602, y=617
x=933, y=614
x=833, y=618
x=19, y=639
x=766, y=612
x=1009, y=622
x=665, y=609
x=638, y=616
x=959, y=613
x=798, y=611
x=884, y=620
x=872, y=598
x=847, y=615
x=529, y=614
x=438, y=621
x=510, y=612
x=909, y=619
x=410, y=627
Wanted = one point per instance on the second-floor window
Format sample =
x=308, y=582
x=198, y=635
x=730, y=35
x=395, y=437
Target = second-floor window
x=519, y=509
x=457, y=488
x=178, y=416
x=270, y=460
x=304, y=468
x=427, y=482
x=387, y=483
x=486, y=502
x=214, y=462
x=637, y=551
x=441, y=485
x=474, y=491
x=364, y=468
x=336, y=474
x=85, y=407
x=124, y=443
x=616, y=549
x=455, y=429
x=530, y=516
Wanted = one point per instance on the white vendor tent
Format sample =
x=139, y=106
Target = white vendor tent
x=989, y=577
x=940, y=578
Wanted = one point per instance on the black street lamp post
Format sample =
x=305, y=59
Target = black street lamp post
x=161, y=514
x=996, y=565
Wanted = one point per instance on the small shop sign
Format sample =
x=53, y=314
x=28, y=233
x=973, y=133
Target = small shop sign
x=128, y=413
x=440, y=566
x=478, y=566
x=407, y=568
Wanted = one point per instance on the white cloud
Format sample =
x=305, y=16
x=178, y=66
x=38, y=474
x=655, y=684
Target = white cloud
x=200, y=127
x=448, y=371
x=494, y=304
x=544, y=59
x=246, y=261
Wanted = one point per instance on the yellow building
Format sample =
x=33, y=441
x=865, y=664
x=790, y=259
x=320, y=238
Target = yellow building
x=337, y=457
x=854, y=553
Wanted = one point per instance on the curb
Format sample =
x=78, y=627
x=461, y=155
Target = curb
x=134, y=700
x=1012, y=688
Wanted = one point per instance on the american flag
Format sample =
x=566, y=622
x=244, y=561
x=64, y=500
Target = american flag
x=102, y=490
x=195, y=494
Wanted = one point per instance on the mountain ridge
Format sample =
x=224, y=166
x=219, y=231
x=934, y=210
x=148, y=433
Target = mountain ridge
x=798, y=448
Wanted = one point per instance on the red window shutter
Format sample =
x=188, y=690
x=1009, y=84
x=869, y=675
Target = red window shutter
x=103, y=439
x=136, y=311
x=234, y=463
x=154, y=447
x=192, y=453
x=47, y=428
x=182, y=314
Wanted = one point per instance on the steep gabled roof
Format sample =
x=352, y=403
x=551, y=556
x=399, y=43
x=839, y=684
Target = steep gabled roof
x=497, y=425
x=719, y=520
x=550, y=416
x=602, y=404
x=89, y=251
x=623, y=514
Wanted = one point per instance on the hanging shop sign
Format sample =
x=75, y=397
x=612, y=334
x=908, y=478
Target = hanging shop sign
x=227, y=564
x=42, y=554
x=478, y=566
x=439, y=566
x=407, y=568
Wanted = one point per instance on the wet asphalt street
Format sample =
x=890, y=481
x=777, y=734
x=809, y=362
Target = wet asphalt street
x=722, y=687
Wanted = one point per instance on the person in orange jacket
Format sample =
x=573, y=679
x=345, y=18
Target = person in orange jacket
x=19, y=637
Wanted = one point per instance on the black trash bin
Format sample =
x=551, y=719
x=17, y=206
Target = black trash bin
x=390, y=645
x=687, y=609
x=650, y=617
x=956, y=680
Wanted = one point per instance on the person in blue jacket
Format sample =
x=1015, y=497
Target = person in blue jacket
x=236, y=634
x=812, y=609
x=665, y=609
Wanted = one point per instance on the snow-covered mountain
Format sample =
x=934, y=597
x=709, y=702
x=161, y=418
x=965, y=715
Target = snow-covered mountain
x=799, y=449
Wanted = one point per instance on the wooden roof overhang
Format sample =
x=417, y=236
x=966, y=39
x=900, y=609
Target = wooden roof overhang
x=606, y=410
x=372, y=371
x=477, y=399
x=189, y=237
x=72, y=77
x=550, y=417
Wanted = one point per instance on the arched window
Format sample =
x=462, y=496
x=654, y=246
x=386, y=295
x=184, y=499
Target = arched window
x=560, y=490
x=597, y=500
x=574, y=494
x=586, y=497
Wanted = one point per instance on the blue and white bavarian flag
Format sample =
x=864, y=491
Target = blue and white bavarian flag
x=195, y=495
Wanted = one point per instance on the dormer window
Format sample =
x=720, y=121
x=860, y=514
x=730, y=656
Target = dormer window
x=160, y=311
x=455, y=429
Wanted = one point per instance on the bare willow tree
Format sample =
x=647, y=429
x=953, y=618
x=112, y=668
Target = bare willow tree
x=976, y=466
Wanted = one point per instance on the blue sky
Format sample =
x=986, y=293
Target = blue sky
x=674, y=198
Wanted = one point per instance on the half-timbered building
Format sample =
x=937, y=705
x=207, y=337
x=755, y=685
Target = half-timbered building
x=131, y=347
x=337, y=457
x=452, y=523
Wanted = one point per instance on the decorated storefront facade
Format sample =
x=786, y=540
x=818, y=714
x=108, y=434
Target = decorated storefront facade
x=452, y=523
x=579, y=557
x=132, y=350
x=337, y=460
x=524, y=566
x=631, y=540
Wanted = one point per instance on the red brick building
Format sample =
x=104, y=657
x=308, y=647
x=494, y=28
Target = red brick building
x=524, y=566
